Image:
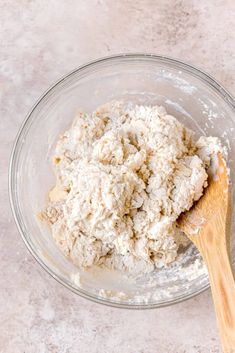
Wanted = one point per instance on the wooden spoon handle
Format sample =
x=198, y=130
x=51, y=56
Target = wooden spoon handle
x=222, y=287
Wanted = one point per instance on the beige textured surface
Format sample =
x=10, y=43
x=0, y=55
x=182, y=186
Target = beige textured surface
x=40, y=41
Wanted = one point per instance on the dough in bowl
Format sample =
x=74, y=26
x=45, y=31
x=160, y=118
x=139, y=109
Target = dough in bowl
x=124, y=174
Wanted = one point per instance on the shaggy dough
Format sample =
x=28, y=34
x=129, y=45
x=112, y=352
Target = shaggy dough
x=124, y=174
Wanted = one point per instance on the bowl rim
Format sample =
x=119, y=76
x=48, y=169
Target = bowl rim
x=221, y=91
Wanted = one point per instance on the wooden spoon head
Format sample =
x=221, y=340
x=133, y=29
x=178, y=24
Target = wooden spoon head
x=214, y=202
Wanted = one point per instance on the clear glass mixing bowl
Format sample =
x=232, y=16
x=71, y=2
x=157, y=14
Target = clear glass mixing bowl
x=187, y=93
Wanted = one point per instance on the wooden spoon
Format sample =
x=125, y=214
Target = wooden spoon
x=207, y=225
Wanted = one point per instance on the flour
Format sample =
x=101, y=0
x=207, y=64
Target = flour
x=124, y=174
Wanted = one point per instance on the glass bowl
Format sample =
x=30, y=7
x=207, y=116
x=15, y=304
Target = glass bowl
x=192, y=96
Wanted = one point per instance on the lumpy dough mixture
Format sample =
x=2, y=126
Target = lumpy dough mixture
x=124, y=174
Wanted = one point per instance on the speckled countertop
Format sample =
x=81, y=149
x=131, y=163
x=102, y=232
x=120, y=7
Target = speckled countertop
x=39, y=42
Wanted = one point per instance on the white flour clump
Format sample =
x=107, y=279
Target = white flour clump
x=124, y=174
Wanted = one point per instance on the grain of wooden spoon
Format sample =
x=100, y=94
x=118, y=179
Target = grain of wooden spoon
x=207, y=225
